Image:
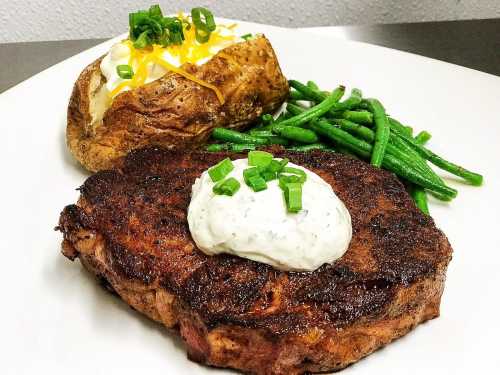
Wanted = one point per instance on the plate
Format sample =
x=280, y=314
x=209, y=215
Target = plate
x=55, y=318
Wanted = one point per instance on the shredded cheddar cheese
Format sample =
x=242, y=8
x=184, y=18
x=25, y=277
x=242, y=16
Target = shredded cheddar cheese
x=190, y=51
x=120, y=88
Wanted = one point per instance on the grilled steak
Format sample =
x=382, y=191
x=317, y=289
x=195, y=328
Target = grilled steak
x=129, y=228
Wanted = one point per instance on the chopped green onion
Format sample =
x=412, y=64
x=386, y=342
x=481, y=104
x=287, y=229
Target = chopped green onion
x=284, y=162
x=208, y=24
x=155, y=11
x=229, y=186
x=221, y=170
x=259, y=158
x=142, y=40
x=257, y=183
x=284, y=180
x=202, y=36
x=250, y=172
x=295, y=171
x=246, y=36
x=274, y=166
x=203, y=27
x=263, y=169
x=269, y=175
x=293, y=197
x=148, y=27
x=124, y=71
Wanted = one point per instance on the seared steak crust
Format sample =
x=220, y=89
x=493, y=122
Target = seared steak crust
x=130, y=228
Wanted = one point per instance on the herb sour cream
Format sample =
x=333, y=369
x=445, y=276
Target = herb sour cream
x=257, y=226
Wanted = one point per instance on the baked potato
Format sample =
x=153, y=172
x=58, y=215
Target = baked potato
x=173, y=111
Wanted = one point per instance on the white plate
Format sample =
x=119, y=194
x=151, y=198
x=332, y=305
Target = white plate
x=56, y=319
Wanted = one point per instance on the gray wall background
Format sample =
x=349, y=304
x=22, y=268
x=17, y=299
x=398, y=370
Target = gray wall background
x=31, y=20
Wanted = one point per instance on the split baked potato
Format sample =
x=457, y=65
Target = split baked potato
x=173, y=111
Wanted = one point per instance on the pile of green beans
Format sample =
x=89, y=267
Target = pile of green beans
x=319, y=120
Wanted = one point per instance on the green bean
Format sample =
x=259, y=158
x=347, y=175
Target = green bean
x=294, y=104
x=399, y=149
x=271, y=138
x=423, y=137
x=317, y=96
x=317, y=110
x=341, y=137
x=363, y=105
x=296, y=95
x=294, y=109
x=285, y=115
x=217, y=147
x=308, y=92
x=368, y=135
x=277, y=140
x=389, y=162
x=472, y=177
x=360, y=117
x=410, y=130
x=417, y=159
x=239, y=147
x=260, y=133
x=420, y=198
x=295, y=133
x=396, y=148
x=233, y=136
x=266, y=128
x=313, y=85
x=267, y=118
x=361, y=131
x=402, y=169
x=393, y=123
x=352, y=101
x=404, y=132
x=382, y=131
x=400, y=142
x=310, y=147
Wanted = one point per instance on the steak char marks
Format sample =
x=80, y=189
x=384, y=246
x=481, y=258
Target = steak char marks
x=129, y=228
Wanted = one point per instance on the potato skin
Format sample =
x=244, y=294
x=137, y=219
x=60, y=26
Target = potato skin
x=173, y=111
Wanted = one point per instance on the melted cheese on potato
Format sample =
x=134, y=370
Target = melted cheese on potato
x=150, y=64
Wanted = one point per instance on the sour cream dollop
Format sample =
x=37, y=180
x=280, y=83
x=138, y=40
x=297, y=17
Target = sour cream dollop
x=257, y=226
